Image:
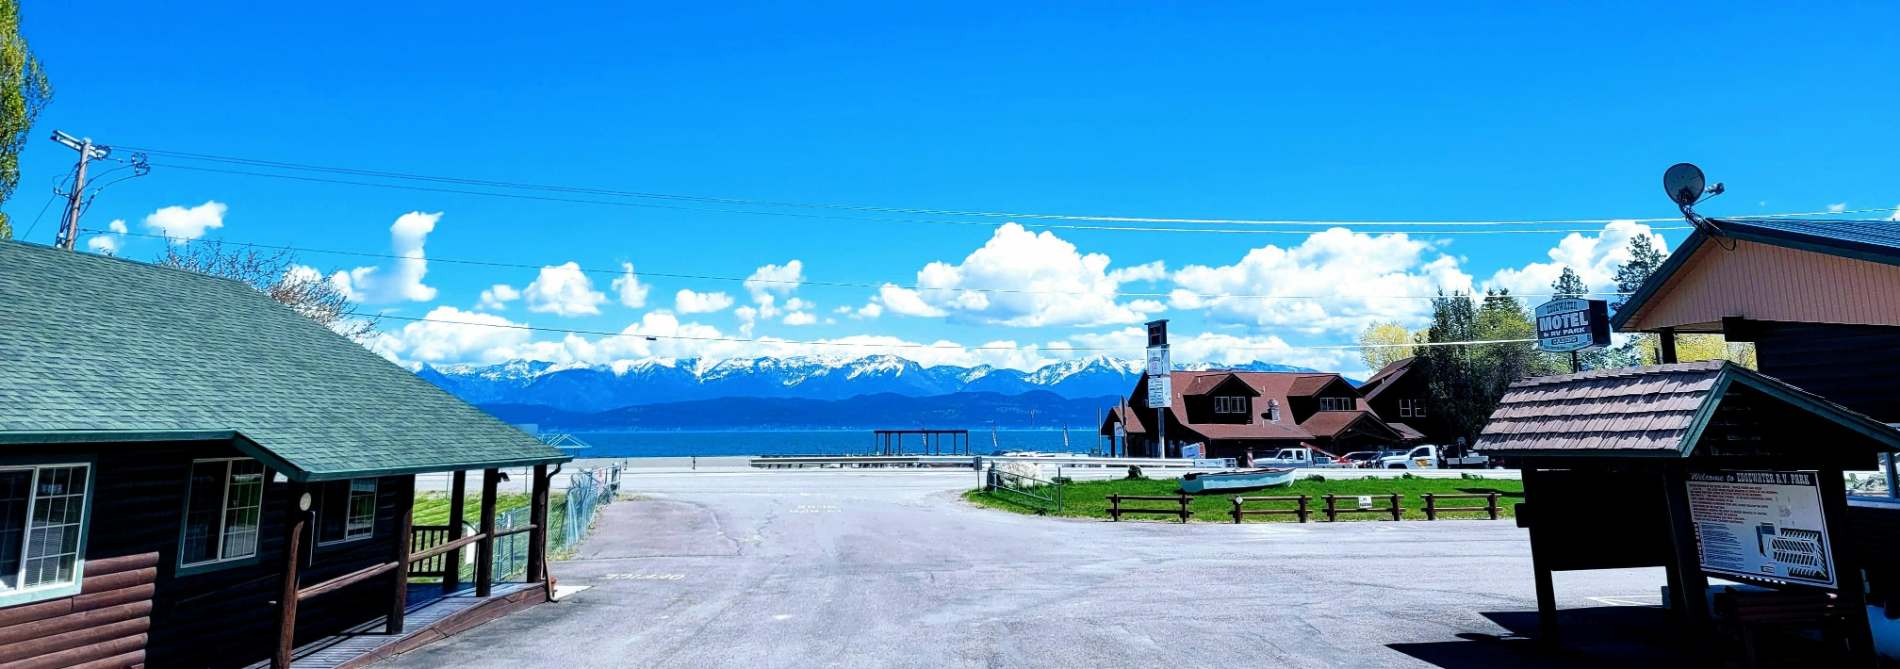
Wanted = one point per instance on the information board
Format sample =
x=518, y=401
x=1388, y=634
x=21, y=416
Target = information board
x=1762, y=524
x=1159, y=363
x=1568, y=324
x=1160, y=391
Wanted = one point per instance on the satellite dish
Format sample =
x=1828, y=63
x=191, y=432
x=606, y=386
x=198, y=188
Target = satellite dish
x=1684, y=183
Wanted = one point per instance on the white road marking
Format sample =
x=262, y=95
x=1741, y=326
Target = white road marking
x=1630, y=600
x=642, y=576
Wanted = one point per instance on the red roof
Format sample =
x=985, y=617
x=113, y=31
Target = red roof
x=1270, y=387
x=1331, y=423
x=1386, y=376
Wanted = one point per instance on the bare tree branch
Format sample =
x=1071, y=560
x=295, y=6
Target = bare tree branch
x=277, y=275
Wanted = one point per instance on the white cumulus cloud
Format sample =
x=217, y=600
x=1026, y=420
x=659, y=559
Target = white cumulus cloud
x=1043, y=280
x=181, y=224
x=402, y=279
x=1595, y=258
x=563, y=290
x=694, y=302
x=497, y=297
x=107, y=243
x=451, y=335
x=772, y=279
x=628, y=289
x=1357, y=275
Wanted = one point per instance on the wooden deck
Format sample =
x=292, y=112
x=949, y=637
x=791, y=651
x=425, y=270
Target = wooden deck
x=430, y=616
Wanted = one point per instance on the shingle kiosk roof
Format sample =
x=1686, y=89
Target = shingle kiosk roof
x=1659, y=410
x=99, y=349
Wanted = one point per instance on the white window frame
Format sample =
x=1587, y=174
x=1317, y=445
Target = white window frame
x=350, y=529
x=1411, y=408
x=43, y=591
x=1230, y=404
x=224, y=513
x=1328, y=404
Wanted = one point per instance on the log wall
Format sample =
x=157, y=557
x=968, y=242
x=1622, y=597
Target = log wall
x=135, y=608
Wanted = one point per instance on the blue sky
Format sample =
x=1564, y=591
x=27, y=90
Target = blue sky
x=1202, y=110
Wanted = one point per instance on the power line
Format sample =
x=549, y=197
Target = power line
x=834, y=284
x=909, y=345
x=862, y=219
x=492, y=183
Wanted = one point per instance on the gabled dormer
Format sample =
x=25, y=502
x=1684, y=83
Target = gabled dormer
x=1223, y=398
x=1321, y=392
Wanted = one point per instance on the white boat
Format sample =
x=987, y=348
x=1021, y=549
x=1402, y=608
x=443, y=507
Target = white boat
x=1248, y=479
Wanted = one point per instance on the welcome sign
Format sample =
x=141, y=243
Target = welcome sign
x=1568, y=324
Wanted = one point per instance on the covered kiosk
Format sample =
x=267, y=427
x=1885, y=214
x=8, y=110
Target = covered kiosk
x=1705, y=469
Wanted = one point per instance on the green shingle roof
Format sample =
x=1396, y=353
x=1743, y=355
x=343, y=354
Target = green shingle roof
x=100, y=349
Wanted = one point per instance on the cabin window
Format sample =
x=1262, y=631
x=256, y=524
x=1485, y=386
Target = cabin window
x=42, y=523
x=1336, y=404
x=349, y=511
x=1411, y=408
x=223, y=505
x=1230, y=405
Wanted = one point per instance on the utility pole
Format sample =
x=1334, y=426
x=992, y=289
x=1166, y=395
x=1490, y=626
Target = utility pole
x=69, y=224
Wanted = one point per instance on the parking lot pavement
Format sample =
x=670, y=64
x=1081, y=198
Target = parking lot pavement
x=890, y=569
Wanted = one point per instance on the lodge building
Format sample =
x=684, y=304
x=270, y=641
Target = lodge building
x=193, y=475
x=1232, y=414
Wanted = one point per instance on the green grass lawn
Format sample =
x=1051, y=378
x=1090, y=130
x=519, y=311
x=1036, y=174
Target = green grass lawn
x=432, y=508
x=1089, y=499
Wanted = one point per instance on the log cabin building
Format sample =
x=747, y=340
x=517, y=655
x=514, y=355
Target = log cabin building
x=1233, y=414
x=193, y=475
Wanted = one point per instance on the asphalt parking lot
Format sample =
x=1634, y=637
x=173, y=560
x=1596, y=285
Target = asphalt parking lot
x=890, y=569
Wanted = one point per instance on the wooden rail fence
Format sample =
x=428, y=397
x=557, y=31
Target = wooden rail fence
x=1115, y=508
x=1240, y=502
x=1392, y=507
x=1432, y=509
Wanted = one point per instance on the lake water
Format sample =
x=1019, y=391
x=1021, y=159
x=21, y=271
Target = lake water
x=806, y=442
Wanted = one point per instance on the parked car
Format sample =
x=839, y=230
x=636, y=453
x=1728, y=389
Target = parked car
x=1429, y=457
x=1299, y=457
x=1366, y=459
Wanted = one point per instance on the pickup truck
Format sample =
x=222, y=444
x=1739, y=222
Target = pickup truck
x=1429, y=457
x=1299, y=457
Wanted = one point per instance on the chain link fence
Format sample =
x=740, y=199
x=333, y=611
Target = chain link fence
x=570, y=517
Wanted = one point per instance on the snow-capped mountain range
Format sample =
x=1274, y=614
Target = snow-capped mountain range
x=655, y=381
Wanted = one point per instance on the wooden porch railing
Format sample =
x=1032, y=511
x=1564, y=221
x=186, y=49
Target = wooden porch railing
x=426, y=564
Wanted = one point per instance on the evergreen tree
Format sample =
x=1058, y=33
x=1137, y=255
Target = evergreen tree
x=1644, y=260
x=1569, y=285
x=1455, y=384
